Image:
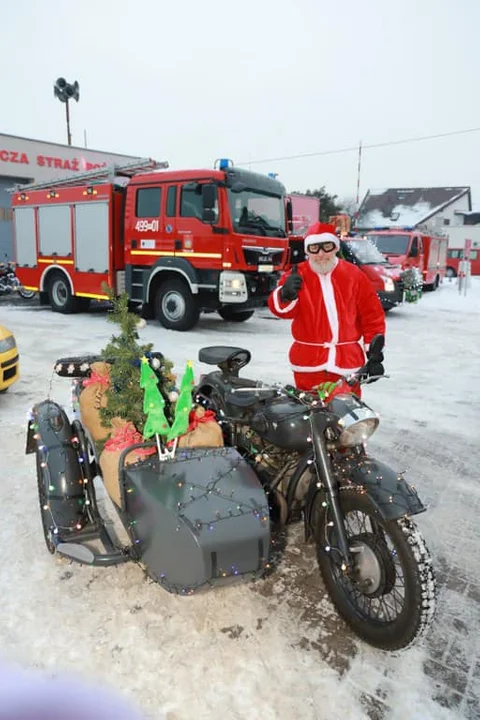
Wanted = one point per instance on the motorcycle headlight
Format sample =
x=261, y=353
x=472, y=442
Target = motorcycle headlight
x=7, y=344
x=357, y=427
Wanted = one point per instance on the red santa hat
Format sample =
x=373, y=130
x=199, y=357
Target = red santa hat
x=320, y=233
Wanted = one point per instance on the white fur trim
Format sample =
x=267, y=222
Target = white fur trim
x=321, y=238
x=318, y=368
x=332, y=314
x=277, y=300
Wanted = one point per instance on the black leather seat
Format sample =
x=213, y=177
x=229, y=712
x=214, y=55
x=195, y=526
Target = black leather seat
x=218, y=354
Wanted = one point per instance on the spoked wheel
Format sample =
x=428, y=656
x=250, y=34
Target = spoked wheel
x=26, y=294
x=389, y=597
x=43, y=481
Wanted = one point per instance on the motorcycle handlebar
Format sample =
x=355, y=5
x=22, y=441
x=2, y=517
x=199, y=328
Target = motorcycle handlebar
x=354, y=379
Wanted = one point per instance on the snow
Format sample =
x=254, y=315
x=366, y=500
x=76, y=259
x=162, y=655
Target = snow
x=408, y=216
x=276, y=648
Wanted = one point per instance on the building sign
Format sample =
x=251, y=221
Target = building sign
x=36, y=161
x=57, y=163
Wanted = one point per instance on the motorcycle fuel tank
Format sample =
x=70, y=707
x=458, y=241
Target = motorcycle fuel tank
x=284, y=423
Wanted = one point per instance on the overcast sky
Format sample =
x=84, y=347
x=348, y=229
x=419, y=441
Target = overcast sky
x=190, y=81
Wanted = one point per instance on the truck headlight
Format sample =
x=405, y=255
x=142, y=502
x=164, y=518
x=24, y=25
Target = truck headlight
x=232, y=287
x=388, y=283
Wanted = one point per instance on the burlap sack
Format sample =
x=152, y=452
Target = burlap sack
x=204, y=430
x=92, y=398
x=123, y=434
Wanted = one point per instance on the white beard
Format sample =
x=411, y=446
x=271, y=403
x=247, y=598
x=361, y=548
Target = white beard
x=323, y=268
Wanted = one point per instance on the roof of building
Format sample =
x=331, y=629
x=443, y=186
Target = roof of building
x=407, y=207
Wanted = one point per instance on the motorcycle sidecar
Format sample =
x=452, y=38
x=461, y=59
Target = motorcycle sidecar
x=196, y=521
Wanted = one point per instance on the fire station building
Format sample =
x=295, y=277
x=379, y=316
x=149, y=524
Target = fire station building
x=23, y=160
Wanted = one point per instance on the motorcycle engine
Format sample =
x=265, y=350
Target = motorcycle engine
x=273, y=465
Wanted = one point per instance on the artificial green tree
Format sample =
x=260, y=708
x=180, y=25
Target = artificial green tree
x=183, y=405
x=153, y=405
x=123, y=353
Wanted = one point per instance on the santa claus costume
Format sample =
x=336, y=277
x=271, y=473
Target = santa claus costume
x=335, y=316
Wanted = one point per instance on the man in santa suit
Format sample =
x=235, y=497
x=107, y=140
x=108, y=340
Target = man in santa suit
x=335, y=312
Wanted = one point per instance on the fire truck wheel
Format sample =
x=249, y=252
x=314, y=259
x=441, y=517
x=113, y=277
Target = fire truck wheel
x=60, y=295
x=229, y=314
x=175, y=306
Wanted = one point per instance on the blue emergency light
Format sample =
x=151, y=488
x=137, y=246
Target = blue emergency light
x=273, y=175
x=224, y=163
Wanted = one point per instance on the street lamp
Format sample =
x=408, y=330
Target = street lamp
x=65, y=92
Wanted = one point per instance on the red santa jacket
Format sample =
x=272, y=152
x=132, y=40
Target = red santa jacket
x=335, y=317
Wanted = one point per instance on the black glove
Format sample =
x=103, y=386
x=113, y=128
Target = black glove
x=374, y=364
x=291, y=286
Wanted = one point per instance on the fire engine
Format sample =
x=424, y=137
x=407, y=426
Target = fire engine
x=178, y=242
x=411, y=248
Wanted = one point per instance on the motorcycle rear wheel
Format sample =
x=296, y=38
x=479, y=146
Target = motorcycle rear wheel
x=389, y=599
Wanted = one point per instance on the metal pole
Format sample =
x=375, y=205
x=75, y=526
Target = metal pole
x=85, y=137
x=69, y=137
x=359, y=168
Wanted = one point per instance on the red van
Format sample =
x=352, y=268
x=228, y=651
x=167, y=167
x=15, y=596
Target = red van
x=455, y=255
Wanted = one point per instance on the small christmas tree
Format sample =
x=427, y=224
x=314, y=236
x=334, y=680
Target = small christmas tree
x=153, y=405
x=123, y=353
x=183, y=404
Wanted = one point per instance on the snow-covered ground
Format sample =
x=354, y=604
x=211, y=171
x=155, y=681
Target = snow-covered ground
x=275, y=649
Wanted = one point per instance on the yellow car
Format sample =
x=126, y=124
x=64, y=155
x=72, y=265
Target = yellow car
x=9, y=365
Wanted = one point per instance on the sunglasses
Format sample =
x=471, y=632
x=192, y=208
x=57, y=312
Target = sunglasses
x=325, y=246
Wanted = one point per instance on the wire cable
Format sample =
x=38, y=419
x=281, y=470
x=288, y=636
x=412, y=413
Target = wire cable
x=364, y=147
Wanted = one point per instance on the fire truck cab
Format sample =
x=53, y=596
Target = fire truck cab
x=178, y=242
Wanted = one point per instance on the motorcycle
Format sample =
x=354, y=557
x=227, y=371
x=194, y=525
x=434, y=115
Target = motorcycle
x=9, y=283
x=204, y=517
x=311, y=457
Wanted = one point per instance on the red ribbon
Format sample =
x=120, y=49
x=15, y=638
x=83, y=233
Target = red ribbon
x=96, y=378
x=124, y=436
x=196, y=420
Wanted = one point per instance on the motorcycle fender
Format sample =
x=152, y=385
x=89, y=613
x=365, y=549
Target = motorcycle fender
x=50, y=428
x=389, y=492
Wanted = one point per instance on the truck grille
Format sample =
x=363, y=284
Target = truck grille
x=255, y=256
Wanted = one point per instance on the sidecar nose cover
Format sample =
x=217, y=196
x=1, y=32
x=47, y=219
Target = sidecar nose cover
x=199, y=520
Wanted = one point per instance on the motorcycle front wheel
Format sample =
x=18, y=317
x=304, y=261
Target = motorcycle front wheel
x=388, y=598
x=26, y=294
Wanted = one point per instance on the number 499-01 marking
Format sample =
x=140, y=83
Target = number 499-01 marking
x=145, y=225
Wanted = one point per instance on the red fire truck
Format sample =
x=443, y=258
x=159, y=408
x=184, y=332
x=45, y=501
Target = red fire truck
x=410, y=248
x=178, y=242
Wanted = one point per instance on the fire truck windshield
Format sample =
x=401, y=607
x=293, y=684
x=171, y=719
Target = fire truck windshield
x=390, y=244
x=365, y=252
x=257, y=213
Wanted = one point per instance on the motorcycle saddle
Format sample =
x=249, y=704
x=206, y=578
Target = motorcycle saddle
x=227, y=358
